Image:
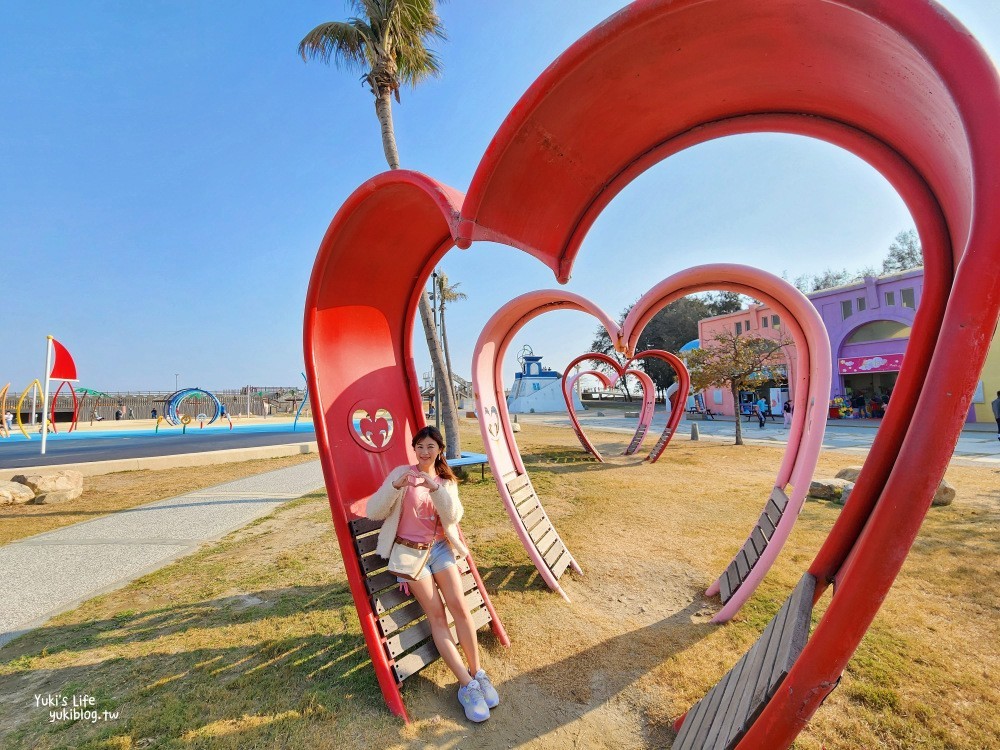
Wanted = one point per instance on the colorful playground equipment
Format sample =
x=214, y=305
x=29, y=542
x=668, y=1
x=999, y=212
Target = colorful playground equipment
x=175, y=399
x=689, y=71
x=305, y=398
x=34, y=388
x=4, y=431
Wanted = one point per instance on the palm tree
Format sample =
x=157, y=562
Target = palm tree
x=448, y=293
x=387, y=42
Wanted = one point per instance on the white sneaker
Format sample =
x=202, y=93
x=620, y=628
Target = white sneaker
x=489, y=692
x=474, y=702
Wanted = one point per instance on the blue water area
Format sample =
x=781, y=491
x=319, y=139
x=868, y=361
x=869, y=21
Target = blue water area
x=305, y=427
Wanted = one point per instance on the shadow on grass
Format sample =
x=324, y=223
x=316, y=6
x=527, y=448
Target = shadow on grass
x=211, y=681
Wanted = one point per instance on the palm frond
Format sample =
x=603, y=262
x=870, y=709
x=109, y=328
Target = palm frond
x=386, y=41
x=343, y=42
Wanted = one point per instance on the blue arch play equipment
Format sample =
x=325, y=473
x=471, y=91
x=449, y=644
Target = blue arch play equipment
x=175, y=399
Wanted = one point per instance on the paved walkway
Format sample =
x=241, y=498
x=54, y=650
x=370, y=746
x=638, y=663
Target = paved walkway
x=977, y=444
x=52, y=572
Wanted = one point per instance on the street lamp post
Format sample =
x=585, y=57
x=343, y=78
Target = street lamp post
x=177, y=377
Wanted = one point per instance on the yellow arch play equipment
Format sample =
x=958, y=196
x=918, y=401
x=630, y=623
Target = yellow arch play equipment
x=3, y=410
x=20, y=402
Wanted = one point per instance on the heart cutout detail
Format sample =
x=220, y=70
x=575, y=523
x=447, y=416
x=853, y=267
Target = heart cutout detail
x=372, y=428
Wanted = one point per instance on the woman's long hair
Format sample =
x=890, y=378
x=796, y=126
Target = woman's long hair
x=441, y=467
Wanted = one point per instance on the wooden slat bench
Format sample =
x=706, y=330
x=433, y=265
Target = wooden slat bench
x=719, y=720
x=536, y=522
x=405, y=632
x=754, y=546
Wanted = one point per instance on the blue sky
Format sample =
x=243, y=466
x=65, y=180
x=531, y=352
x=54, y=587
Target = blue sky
x=168, y=170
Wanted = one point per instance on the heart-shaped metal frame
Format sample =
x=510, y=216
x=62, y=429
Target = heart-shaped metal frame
x=656, y=78
x=810, y=376
x=682, y=384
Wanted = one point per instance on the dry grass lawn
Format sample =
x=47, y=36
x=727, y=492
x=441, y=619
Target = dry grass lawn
x=254, y=642
x=107, y=493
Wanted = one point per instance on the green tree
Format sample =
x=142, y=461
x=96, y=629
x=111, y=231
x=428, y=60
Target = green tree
x=670, y=329
x=904, y=253
x=386, y=41
x=721, y=303
x=739, y=362
x=602, y=343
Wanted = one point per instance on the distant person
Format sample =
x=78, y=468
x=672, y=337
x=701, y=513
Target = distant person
x=996, y=412
x=786, y=409
x=222, y=412
x=118, y=414
x=97, y=417
x=8, y=419
x=761, y=411
x=152, y=414
x=131, y=414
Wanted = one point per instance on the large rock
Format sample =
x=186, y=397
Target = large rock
x=850, y=473
x=945, y=494
x=828, y=489
x=54, y=487
x=845, y=495
x=14, y=492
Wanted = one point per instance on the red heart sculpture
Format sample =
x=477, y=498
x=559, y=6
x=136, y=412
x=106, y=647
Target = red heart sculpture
x=648, y=402
x=926, y=120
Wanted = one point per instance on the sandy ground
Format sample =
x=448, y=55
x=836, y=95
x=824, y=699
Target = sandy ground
x=634, y=649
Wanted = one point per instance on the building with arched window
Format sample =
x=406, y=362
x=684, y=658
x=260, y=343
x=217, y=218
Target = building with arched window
x=869, y=324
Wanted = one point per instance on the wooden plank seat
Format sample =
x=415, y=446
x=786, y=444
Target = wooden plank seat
x=754, y=546
x=405, y=632
x=536, y=522
x=719, y=720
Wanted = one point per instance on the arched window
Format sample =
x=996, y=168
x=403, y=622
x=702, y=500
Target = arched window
x=879, y=330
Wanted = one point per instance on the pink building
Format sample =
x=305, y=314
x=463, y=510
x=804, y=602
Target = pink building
x=758, y=320
x=869, y=327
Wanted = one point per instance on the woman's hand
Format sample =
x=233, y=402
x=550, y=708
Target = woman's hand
x=426, y=480
x=404, y=480
x=417, y=479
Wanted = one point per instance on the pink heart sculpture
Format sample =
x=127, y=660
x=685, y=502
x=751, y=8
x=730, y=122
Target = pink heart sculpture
x=810, y=378
x=648, y=400
x=925, y=119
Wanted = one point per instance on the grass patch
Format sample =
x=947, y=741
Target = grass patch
x=107, y=493
x=254, y=641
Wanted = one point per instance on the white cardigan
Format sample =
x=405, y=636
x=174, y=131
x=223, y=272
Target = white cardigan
x=387, y=503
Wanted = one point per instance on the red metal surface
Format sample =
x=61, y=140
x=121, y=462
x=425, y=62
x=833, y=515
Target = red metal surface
x=76, y=405
x=676, y=401
x=899, y=83
x=371, y=267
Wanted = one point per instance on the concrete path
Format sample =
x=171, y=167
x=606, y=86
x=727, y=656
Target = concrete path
x=50, y=573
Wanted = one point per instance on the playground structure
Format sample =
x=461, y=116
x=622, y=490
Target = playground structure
x=676, y=399
x=4, y=431
x=175, y=399
x=36, y=387
x=924, y=118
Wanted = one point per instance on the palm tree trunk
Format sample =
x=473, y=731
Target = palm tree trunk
x=383, y=110
x=449, y=414
x=739, y=420
x=447, y=354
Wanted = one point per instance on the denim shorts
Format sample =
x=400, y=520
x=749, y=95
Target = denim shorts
x=442, y=556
